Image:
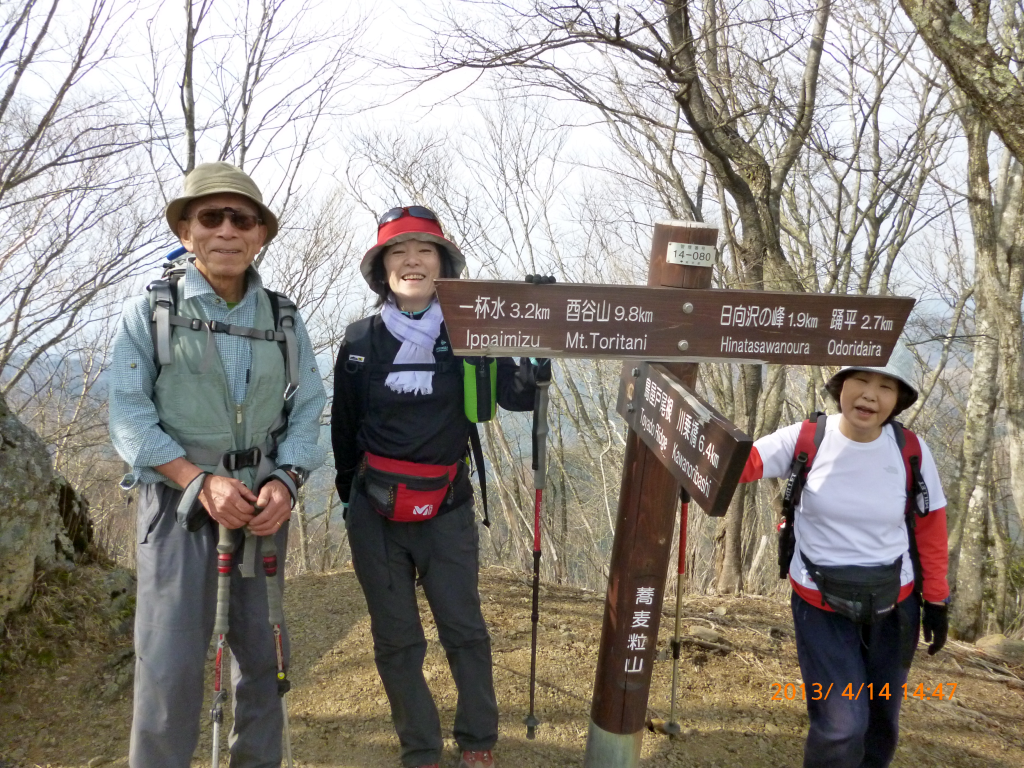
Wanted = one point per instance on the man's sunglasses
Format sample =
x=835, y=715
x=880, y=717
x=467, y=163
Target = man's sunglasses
x=410, y=210
x=211, y=218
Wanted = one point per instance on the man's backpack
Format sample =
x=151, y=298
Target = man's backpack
x=812, y=431
x=359, y=342
x=163, y=300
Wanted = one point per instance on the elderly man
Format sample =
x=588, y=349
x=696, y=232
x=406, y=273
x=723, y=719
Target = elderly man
x=215, y=403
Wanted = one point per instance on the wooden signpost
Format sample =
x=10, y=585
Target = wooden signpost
x=675, y=438
x=699, y=446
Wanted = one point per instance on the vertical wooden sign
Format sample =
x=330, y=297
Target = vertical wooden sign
x=643, y=535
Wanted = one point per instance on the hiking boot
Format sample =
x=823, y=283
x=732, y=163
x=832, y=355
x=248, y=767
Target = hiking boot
x=481, y=759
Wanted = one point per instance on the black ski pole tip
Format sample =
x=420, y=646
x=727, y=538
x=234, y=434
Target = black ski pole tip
x=531, y=722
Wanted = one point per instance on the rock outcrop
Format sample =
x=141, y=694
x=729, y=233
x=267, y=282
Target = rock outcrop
x=39, y=510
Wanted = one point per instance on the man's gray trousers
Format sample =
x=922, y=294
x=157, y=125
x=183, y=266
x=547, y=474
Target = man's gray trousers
x=175, y=608
x=443, y=552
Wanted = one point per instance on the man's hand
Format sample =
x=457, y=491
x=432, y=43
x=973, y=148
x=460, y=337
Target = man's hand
x=228, y=501
x=275, y=504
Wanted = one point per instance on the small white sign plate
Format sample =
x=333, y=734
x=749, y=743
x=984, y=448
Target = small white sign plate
x=690, y=255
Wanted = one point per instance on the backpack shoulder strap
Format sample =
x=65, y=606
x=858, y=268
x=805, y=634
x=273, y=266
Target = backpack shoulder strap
x=163, y=301
x=478, y=459
x=359, y=345
x=359, y=340
x=812, y=432
x=284, y=311
x=910, y=449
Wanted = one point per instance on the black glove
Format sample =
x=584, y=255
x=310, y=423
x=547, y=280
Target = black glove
x=540, y=279
x=531, y=370
x=541, y=368
x=936, y=626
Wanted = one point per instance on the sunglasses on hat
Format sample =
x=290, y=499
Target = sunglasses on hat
x=417, y=211
x=211, y=218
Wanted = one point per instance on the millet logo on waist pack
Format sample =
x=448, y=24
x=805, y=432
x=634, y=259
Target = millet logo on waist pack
x=425, y=511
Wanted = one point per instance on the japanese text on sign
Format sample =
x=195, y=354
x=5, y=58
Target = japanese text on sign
x=636, y=641
x=590, y=311
x=500, y=318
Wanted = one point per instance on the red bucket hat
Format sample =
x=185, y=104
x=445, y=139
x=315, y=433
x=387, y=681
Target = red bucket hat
x=409, y=226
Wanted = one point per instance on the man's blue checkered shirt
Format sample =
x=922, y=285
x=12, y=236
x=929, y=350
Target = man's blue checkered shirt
x=134, y=426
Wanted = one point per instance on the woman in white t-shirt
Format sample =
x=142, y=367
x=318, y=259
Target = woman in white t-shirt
x=856, y=610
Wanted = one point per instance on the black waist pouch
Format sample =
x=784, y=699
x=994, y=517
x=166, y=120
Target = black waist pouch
x=862, y=593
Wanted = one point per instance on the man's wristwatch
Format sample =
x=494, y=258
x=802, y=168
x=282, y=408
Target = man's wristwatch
x=299, y=475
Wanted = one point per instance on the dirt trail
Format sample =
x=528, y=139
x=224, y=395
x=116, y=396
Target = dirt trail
x=76, y=714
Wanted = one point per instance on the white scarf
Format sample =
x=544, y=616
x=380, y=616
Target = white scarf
x=417, y=337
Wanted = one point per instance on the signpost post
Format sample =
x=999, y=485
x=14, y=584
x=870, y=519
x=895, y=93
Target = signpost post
x=675, y=438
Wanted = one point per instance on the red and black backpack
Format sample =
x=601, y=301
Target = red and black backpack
x=812, y=431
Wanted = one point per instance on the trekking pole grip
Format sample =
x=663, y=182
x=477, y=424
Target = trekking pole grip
x=225, y=545
x=540, y=435
x=268, y=546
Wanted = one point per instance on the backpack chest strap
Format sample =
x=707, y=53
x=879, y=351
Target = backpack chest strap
x=165, y=317
x=215, y=326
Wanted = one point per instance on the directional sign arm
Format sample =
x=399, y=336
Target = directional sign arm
x=497, y=318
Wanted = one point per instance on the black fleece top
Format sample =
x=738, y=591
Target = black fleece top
x=427, y=429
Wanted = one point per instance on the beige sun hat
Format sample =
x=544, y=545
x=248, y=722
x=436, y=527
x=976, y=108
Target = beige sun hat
x=900, y=367
x=218, y=179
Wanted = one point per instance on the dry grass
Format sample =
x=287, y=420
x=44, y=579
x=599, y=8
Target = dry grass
x=63, y=616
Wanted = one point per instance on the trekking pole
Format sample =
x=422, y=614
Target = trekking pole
x=220, y=627
x=672, y=727
x=540, y=434
x=269, y=547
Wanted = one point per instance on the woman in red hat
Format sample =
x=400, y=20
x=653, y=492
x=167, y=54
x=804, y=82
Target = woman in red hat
x=400, y=433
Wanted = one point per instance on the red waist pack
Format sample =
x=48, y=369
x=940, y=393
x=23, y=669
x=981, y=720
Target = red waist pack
x=405, y=491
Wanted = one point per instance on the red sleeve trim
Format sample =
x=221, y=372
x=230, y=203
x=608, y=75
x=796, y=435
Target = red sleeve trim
x=754, y=469
x=933, y=550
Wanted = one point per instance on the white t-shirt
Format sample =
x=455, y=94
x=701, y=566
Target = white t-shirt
x=852, y=508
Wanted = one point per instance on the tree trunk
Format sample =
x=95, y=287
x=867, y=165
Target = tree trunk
x=998, y=228
x=981, y=406
x=1001, y=558
x=729, y=574
x=981, y=71
x=966, y=619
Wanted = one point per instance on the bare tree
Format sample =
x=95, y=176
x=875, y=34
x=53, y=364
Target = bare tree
x=74, y=216
x=981, y=55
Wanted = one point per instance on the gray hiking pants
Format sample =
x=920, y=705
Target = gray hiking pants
x=174, y=616
x=387, y=557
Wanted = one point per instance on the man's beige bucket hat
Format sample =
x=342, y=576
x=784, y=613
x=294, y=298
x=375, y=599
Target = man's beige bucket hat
x=216, y=179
